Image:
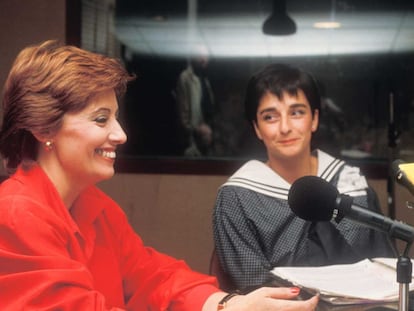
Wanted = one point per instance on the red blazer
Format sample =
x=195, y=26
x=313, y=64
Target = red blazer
x=88, y=258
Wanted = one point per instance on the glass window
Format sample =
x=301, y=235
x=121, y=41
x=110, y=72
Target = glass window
x=363, y=59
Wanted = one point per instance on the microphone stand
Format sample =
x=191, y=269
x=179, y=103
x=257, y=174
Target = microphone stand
x=404, y=276
x=393, y=134
x=404, y=265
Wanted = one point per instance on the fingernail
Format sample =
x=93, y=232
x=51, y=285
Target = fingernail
x=294, y=290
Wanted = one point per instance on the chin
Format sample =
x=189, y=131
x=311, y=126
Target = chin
x=108, y=174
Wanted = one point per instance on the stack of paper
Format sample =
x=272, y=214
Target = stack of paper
x=362, y=282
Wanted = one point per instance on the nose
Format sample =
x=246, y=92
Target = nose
x=284, y=124
x=117, y=135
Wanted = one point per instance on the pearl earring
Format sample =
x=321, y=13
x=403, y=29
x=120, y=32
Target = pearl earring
x=48, y=145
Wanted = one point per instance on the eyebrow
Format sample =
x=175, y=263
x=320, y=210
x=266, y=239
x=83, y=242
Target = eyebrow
x=293, y=106
x=106, y=110
x=101, y=109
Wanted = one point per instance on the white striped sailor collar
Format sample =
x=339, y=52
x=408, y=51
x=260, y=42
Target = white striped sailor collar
x=257, y=176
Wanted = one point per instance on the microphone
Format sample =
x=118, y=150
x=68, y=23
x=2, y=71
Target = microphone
x=314, y=199
x=404, y=174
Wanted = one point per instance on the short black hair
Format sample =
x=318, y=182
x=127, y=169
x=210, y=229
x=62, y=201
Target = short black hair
x=278, y=79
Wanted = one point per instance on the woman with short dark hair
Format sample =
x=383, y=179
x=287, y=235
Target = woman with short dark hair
x=254, y=228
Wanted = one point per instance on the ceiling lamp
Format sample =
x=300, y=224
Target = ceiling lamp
x=331, y=24
x=327, y=25
x=279, y=23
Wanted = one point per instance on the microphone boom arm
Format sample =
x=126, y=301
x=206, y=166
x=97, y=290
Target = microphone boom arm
x=376, y=221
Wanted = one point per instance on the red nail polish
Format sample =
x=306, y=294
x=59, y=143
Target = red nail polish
x=294, y=290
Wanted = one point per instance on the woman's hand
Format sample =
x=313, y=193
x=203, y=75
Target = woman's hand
x=268, y=299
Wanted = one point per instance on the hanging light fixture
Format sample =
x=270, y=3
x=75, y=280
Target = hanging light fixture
x=279, y=22
x=331, y=23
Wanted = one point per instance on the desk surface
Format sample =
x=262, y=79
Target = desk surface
x=323, y=306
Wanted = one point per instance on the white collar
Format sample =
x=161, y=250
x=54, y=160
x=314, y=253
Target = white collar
x=257, y=176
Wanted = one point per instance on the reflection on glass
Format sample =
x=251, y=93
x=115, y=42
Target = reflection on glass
x=359, y=65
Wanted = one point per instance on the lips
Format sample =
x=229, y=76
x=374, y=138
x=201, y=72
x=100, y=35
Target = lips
x=287, y=141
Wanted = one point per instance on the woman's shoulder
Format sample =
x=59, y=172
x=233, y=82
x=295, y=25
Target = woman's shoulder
x=25, y=215
x=17, y=196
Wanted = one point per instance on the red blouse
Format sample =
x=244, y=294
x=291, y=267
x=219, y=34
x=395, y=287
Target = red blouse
x=88, y=258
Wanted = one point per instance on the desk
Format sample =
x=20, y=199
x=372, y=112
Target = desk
x=323, y=306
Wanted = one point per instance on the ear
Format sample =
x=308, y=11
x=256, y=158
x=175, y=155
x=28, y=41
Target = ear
x=256, y=129
x=315, y=120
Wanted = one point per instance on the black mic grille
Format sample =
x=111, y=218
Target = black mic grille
x=312, y=198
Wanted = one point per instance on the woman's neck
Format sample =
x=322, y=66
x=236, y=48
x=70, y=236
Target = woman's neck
x=294, y=168
x=68, y=191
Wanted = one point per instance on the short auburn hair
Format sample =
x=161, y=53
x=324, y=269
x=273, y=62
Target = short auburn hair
x=45, y=82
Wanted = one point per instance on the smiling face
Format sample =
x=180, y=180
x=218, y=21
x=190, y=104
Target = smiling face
x=285, y=125
x=83, y=150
